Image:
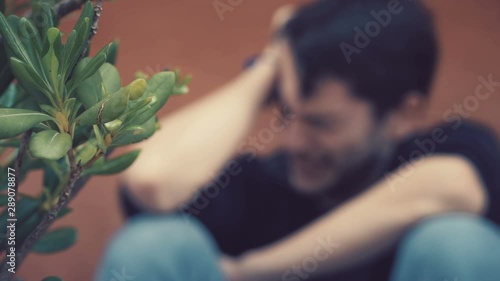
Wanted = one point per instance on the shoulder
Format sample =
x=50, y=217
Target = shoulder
x=465, y=149
x=472, y=140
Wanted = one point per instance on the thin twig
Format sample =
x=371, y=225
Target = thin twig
x=23, y=148
x=48, y=219
x=94, y=27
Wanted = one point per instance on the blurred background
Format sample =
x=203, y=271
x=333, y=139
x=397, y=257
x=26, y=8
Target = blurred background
x=212, y=46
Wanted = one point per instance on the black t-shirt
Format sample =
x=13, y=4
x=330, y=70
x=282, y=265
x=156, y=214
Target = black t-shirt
x=251, y=203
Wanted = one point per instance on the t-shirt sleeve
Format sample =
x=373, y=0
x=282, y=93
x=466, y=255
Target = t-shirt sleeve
x=480, y=146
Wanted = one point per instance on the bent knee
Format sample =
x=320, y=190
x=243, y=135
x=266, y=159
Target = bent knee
x=145, y=235
x=452, y=240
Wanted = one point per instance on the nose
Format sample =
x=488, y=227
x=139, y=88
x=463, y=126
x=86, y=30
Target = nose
x=296, y=137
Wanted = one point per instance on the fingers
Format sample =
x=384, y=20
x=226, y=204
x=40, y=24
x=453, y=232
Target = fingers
x=281, y=17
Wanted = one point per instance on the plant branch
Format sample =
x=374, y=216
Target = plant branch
x=94, y=27
x=17, y=170
x=64, y=198
x=23, y=148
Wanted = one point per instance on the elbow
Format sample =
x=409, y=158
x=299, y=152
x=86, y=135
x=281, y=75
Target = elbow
x=468, y=194
x=463, y=193
x=151, y=193
x=144, y=192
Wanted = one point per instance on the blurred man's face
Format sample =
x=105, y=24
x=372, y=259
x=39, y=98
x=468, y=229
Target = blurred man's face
x=332, y=135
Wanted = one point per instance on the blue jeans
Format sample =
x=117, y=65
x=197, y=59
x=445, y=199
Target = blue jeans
x=453, y=247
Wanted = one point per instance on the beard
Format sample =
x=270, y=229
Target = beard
x=350, y=180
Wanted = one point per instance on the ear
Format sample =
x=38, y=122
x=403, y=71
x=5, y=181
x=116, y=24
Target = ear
x=409, y=117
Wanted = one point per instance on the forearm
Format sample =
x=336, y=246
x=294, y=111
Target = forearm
x=336, y=241
x=371, y=223
x=195, y=142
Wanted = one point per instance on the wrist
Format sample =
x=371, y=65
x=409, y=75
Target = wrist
x=251, y=268
x=259, y=78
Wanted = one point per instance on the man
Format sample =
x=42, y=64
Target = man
x=357, y=191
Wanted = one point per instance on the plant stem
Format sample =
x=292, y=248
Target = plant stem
x=19, y=165
x=94, y=27
x=20, y=156
x=74, y=180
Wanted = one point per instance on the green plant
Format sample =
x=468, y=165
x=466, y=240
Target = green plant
x=63, y=115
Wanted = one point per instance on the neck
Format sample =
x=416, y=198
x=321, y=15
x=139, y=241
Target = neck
x=352, y=184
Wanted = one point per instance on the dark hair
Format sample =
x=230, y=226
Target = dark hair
x=382, y=48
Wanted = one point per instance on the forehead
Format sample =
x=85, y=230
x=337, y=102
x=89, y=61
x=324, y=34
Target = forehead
x=329, y=95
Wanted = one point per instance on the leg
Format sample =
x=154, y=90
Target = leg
x=454, y=247
x=158, y=248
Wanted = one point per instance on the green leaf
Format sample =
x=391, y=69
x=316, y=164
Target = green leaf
x=25, y=74
x=2, y=6
x=50, y=60
x=104, y=50
x=87, y=12
x=26, y=207
x=51, y=177
x=43, y=17
x=28, y=97
x=90, y=69
x=4, y=199
x=9, y=97
x=56, y=240
x=6, y=75
x=110, y=78
x=160, y=87
x=86, y=151
x=27, y=225
x=136, y=133
x=50, y=145
x=181, y=90
x=100, y=140
x=113, y=52
x=106, y=110
x=10, y=143
x=137, y=88
x=31, y=40
x=16, y=121
x=49, y=109
x=68, y=106
x=77, y=40
x=10, y=37
x=29, y=165
x=113, y=126
x=182, y=87
x=63, y=212
x=89, y=92
x=113, y=166
x=52, y=278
